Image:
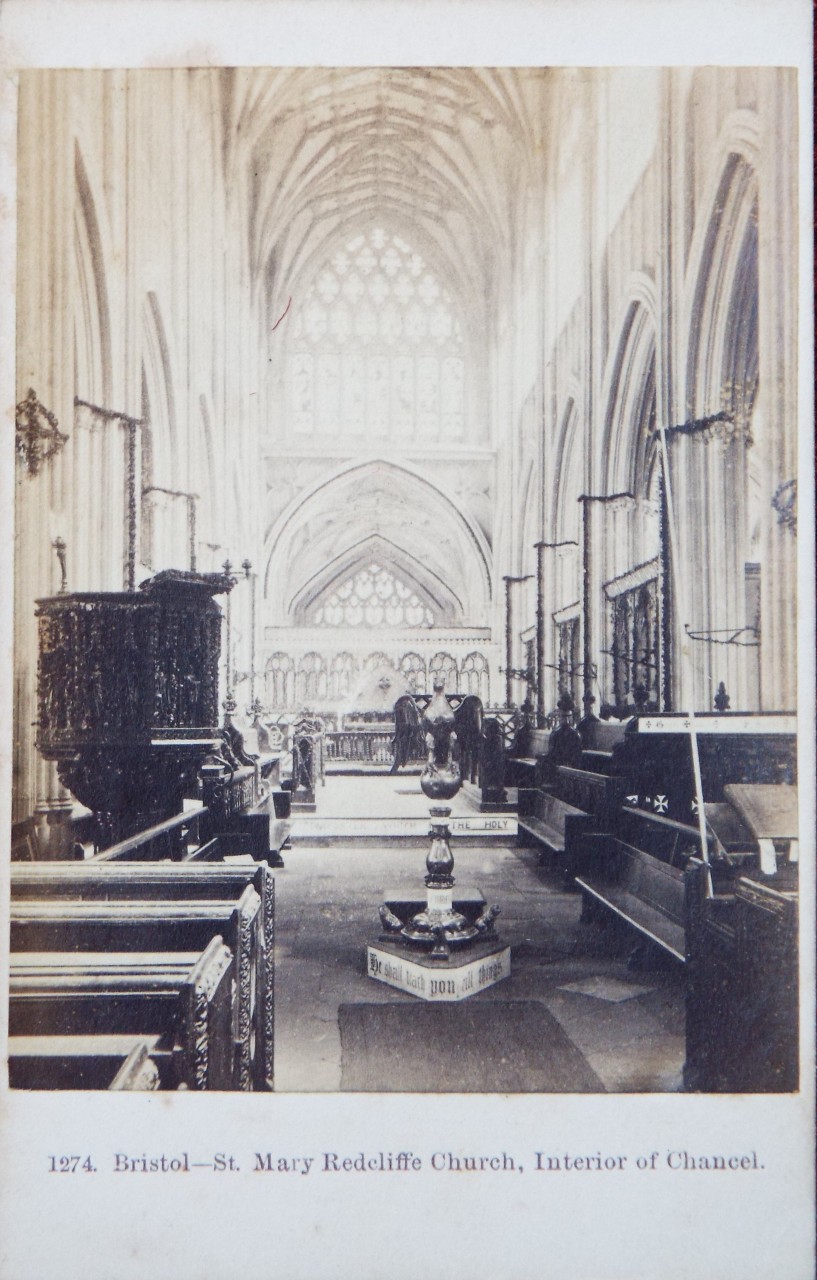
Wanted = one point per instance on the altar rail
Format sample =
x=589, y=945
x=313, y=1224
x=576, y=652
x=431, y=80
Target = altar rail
x=361, y=746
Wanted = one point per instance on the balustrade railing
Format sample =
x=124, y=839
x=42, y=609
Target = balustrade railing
x=360, y=746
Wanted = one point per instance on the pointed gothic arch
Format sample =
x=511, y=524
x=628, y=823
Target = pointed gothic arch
x=431, y=536
x=92, y=320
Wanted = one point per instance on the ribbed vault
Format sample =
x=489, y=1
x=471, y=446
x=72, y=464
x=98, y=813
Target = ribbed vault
x=439, y=151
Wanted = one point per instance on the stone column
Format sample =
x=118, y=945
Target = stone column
x=780, y=413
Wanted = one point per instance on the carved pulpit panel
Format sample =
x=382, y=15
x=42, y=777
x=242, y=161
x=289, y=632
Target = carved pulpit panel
x=128, y=694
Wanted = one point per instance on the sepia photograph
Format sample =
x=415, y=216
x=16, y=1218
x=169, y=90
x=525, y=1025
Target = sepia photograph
x=404, y=676
x=406, y=481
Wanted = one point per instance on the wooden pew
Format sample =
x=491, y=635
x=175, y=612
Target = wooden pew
x=120, y=1063
x=139, y=925
x=266, y=834
x=600, y=794
x=491, y=791
x=644, y=892
x=600, y=739
x=636, y=873
x=185, y=998
x=165, y=883
x=236, y=807
x=742, y=1001
x=655, y=759
x=523, y=767
x=168, y=839
x=547, y=821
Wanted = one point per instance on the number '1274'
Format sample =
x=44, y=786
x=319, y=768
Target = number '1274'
x=70, y=1164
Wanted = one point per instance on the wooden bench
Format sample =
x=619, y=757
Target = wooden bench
x=742, y=1006
x=165, y=840
x=644, y=892
x=664, y=838
x=266, y=834
x=236, y=807
x=123, y=1063
x=186, y=999
x=524, y=761
x=549, y=822
x=600, y=738
x=655, y=759
x=138, y=925
x=163, y=883
x=598, y=793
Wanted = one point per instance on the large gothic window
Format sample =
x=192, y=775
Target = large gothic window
x=372, y=597
x=377, y=351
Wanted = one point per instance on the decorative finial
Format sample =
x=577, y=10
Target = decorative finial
x=722, y=699
x=565, y=704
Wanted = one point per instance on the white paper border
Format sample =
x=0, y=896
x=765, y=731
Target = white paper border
x=369, y=1226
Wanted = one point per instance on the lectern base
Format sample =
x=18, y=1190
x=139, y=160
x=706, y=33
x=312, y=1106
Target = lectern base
x=463, y=975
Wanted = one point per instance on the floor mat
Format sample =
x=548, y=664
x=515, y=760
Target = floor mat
x=485, y=1046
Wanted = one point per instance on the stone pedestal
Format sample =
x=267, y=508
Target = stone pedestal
x=442, y=947
x=474, y=969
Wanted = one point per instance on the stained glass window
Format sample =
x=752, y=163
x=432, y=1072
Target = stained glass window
x=377, y=349
x=372, y=597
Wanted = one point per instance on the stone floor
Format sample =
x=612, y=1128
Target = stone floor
x=628, y=1023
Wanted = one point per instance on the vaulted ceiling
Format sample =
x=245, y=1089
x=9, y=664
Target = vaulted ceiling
x=439, y=153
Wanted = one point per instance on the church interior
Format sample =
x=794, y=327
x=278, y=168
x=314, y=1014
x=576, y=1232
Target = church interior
x=405, y=584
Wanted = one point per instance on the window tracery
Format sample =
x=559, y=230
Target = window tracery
x=474, y=675
x=413, y=667
x=341, y=674
x=377, y=349
x=372, y=597
x=312, y=682
x=280, y=681
x=444, y=667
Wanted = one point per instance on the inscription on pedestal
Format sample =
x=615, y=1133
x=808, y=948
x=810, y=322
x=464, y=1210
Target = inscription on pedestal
x=454, y=981
x=487, y=826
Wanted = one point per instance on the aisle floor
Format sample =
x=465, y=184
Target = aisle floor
x=627, y=1023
